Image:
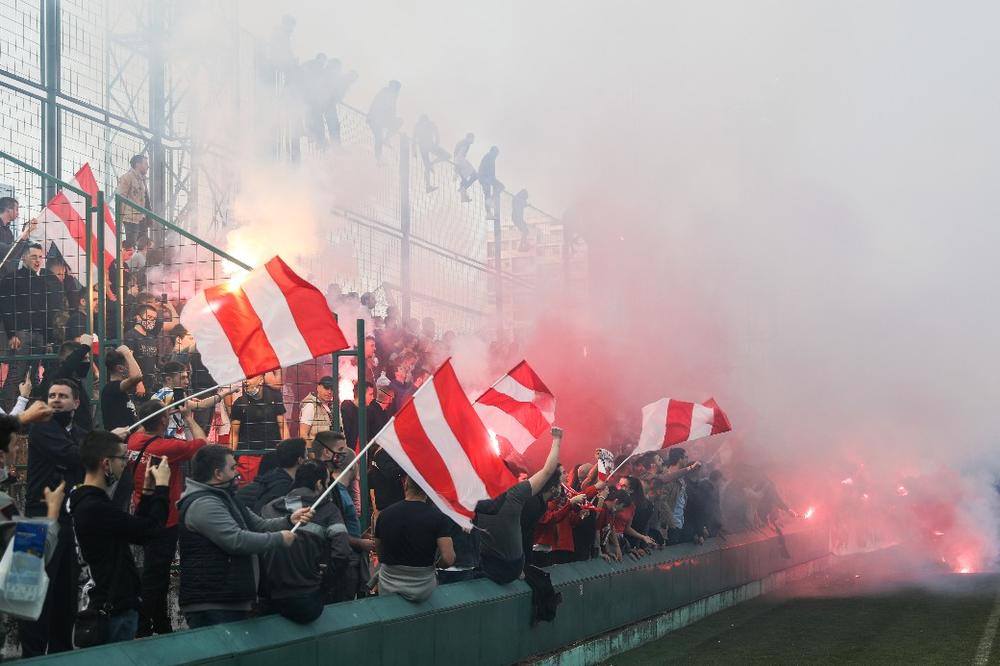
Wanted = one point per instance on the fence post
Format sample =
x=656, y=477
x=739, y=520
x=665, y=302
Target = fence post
x=120, y=305
x=497, y=240
x=362, y=423
x=97, y=260
x=51, y=37
x=405, y=285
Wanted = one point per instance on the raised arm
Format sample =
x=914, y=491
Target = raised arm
x=538, y=479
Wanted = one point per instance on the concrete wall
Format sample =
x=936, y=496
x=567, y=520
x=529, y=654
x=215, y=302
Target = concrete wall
x=479, y=622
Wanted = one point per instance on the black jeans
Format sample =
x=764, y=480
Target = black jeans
x=301, y=610
x=157, y=556
x=53, y=631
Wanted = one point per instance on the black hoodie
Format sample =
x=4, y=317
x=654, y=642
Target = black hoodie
x=104, y=534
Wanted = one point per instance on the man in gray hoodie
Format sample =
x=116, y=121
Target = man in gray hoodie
x=220, y=541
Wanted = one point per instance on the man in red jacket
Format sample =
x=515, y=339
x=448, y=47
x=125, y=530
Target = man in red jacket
x=158, y=553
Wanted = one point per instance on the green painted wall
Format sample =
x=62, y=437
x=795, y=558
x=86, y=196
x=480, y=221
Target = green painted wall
x=478, y=622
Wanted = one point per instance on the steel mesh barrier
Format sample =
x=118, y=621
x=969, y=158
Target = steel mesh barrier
x=20, y=39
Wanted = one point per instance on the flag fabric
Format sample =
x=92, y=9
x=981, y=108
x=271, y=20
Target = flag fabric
x=668, y=422
x=605, y=464
x=67, y=212
x=270, y=319
x=443, y=446
x=518, y=408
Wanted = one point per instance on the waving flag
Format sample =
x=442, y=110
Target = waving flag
x=271, y=319
x=64, y=223
x=518, y=408
x=605, y=464
x=668, y=422
x=443, y=446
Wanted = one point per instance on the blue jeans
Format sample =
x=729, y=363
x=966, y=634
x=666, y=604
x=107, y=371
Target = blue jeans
x=122, y=626
x=207, y=618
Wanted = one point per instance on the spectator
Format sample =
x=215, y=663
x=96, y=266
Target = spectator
x=119, y=278
x=24, y=393
x=553, y=535
x=428, y=142
x=73, y=363
x=124, y=375
x=518, y=204
x=371, y=360
x=185, y=351
x=142, y=341
x=220, y=541
x=54, y=460
x=33, y=306
x=464, y=171
x=294, y=576
x=502, y=554
x=78, y=321
x=670, y=504
x=137, y=262
x=412, y=539
x=9, y=513
x=488, y=181
x=71, y=286
x=257, y=420
x=613, y=517
x=382, y=118
x=316, y=414
x=638, y=513
x=402, y=389
x=104, y=531
x=385, y=481
x=133, y=186
x=276, y=482
x=346, y=583
x=11, y=250
x=177, y=381
x=151, y=442
x=339, y=85
x=375, y=417
x=466, y=546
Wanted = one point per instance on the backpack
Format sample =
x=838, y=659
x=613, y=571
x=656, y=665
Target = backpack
x=125, y=488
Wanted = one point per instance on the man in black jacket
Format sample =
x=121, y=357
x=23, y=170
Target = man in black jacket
x=104, y=531
x=9, y=211
x=53, y=458
x=33, y=306
x=276, y=482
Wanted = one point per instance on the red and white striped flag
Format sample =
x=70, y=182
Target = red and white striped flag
x=67, y=212
x=519, y=407
x=443, y=446
x=270, y=319
x=668, y=422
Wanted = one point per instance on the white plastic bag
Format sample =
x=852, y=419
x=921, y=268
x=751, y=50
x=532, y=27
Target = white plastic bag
x=23, y=581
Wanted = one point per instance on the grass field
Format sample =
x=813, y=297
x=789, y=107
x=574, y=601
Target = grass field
x=864, y=610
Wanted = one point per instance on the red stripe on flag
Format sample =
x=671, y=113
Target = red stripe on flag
x=425, y=457
x=243, y=328
x=720, y=422
x=309, y=310
x=523, y=373
x=679, y=416
x=526, y=413
x=470, y=432
x=75, y=224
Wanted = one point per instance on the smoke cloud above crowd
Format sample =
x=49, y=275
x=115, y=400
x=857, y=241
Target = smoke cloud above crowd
x=787, y=206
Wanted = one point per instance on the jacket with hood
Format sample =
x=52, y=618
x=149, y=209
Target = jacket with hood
x=296, y=571
x=104, y=533
x=265, y=488
x=220, y=540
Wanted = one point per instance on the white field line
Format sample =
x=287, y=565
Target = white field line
x=989, y=634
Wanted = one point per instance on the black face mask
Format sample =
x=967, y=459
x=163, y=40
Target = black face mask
x=63, y=418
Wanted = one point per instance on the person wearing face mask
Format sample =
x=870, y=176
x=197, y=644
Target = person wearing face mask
x=54, y=458
x=74, y=363
x=104, y=531
x=142, y=340
x=221, y=541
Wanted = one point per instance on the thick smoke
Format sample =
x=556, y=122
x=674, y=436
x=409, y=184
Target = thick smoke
x=787, y=207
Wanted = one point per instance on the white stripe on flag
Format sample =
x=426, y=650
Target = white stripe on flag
x=216, y=351
x=654, y=426
x=468, y=486
x=271, y=307
x=505, y=425
x=389, y=441
x=701, y=421
x=518, y=391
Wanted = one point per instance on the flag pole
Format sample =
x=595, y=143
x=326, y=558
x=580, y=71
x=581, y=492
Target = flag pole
x=138, y=423
x=620, y=464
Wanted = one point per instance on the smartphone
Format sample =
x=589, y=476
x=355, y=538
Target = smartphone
x=154, y=461
x=179, y=394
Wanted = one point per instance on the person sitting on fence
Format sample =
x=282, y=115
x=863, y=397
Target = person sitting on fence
x=11, y=250
x=413, y=540
x=382, y=118
x=464, y=171
x=428, y=143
